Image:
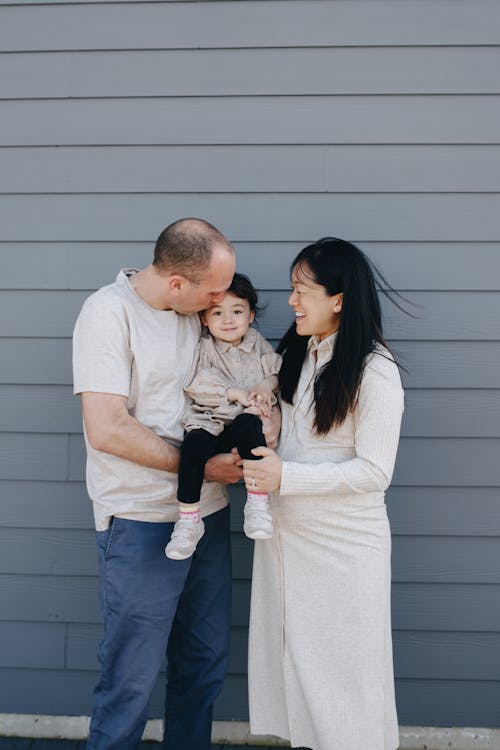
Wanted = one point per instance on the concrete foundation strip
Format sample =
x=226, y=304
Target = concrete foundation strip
x=237, y=733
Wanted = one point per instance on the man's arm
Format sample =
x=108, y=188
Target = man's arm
x=111, y=429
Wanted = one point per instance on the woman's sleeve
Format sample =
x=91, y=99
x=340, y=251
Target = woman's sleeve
x=377, y=420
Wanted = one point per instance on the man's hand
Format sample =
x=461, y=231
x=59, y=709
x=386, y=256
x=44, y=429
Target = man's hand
x=224, y=468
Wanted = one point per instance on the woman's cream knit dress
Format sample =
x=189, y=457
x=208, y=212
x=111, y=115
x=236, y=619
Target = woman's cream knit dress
x=320, y=653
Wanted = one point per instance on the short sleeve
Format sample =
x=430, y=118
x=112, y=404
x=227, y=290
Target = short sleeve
x=271, y=364
x=101, y=347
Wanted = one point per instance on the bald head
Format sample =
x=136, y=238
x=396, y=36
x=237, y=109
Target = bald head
x=186, y=247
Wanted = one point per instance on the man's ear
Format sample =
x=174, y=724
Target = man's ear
x=176, y=282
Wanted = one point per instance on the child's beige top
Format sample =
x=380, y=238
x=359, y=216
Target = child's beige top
x=221, y=366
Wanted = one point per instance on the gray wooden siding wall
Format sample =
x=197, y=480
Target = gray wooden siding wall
x=374, y=120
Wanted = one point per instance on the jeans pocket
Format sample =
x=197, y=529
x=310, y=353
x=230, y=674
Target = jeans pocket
x=110, y=530
x=105, y=537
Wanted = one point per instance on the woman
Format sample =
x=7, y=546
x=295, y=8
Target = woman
x=320, y=654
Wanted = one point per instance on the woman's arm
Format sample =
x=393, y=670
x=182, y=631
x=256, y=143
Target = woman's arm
x=377, y=425
x=377, y=419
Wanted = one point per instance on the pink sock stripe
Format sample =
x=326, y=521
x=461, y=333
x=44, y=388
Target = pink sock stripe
x=254, y=492
x=189, y=512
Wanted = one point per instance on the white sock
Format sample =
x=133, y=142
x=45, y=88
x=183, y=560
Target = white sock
x=260, y=497
x=189, y=510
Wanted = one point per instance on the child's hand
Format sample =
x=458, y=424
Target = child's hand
x=261, y=396
x=239, y=396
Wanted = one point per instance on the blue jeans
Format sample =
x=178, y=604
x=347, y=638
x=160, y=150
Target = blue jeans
x=151, y=606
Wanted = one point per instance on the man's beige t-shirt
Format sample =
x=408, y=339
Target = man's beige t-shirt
x=122, y=345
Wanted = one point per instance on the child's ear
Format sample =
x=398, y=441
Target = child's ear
x=252, y=316
x=203, y=318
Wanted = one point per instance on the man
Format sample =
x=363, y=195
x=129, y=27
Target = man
x=134, y=346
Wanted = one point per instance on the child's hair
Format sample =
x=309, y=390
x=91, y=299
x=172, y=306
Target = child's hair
x=242, y=287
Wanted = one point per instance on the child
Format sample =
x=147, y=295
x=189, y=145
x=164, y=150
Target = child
x=234, y=385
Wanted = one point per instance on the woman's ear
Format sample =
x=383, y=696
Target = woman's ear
x=337, y=305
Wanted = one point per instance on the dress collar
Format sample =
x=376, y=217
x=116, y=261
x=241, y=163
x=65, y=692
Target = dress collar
x=324, y=348
x=246, y=344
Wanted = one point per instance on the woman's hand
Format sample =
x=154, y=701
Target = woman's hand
x=263, y=475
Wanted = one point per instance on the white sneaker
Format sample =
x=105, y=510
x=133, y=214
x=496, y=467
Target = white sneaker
x=258, y=519
x=187, y=533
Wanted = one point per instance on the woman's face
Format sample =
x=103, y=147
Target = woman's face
x=316, y=312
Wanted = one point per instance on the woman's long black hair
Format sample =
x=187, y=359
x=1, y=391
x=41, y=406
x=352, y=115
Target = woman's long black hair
x=338, y=266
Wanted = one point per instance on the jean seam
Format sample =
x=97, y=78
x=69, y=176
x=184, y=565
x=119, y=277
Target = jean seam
x=105, y=562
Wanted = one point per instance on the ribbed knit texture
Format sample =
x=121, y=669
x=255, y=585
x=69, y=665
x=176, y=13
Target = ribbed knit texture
x=320, y=655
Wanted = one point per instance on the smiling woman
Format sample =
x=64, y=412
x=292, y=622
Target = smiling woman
x=316, y=312
x=320, y=657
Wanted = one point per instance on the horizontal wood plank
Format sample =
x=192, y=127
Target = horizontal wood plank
x=246, y=72
x=467, y=462
x=451, y=607
x=295, y=217
x=446, y=656
x=37, y=457
x=447, y=703
x=451, y=413
x=83, y=641
x=73, y=599
x=468, y=266
x=436, y=316
x=434, y=702
x=417, y=655
x=422, y=511
x=46, y=505
x=461, y=511
x=104, y=25
x=35, y=360
x=432, y=316
x=445, y=559
x=433, y=559
x=429, y=364
x=416, y=606
x=405, y=119
x=68, y=552
x=32, y=645
x=250, y=169
x=447, y=461
x=428, y=413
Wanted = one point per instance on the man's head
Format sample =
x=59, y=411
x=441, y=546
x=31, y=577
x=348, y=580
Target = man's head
x=198, y=262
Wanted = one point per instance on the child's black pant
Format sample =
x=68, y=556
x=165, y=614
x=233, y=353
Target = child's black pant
x=244, y=433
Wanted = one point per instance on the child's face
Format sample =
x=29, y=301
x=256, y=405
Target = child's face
x=228, y=320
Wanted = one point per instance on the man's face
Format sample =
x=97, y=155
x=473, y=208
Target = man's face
x=212, y=285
